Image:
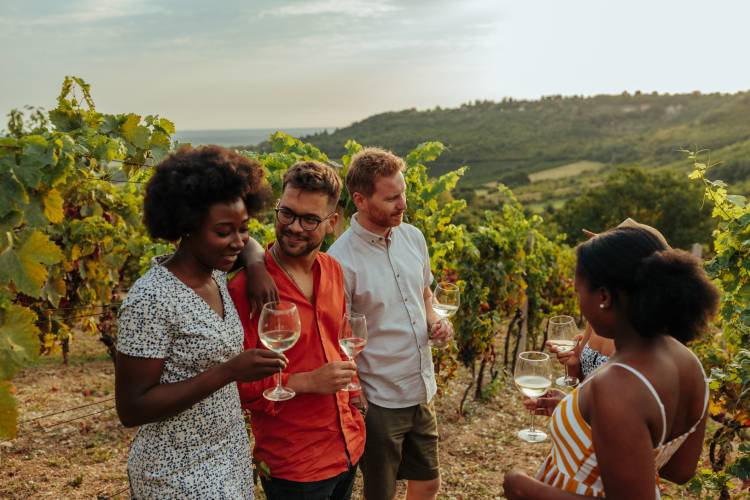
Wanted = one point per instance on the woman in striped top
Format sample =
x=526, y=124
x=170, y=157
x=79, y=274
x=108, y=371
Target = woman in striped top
x=643, y=413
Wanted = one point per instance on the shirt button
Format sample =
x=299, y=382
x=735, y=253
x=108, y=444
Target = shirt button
x=406, y=299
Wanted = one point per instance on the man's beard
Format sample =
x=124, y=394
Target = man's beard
x=307, y=248
x=385, y=219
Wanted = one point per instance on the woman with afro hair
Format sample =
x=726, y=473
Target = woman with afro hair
x=179, y=349
x=642, y=413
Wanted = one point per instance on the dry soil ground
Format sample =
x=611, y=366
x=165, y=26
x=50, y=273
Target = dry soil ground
x=56, y=457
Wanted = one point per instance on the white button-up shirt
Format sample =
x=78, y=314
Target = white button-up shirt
x=385, y=278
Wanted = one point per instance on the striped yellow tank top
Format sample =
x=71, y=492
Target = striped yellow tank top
x=572, y=466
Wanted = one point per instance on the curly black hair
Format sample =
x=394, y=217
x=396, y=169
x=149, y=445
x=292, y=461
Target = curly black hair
x=667, y=290
x=189, y=181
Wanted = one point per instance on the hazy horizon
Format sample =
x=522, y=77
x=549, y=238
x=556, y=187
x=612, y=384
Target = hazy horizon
x=239, y=136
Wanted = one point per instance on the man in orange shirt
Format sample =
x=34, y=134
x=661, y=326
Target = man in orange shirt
x=308, y=446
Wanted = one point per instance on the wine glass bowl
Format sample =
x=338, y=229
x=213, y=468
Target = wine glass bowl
x=353, y=339
x=533, y=377
x=446, y=298
x=279, y=329
x=561, y=333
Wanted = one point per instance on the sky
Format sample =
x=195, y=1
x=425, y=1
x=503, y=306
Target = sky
x=328, y=63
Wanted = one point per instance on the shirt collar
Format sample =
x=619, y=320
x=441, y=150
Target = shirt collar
x=369, y=236
x=269, y=258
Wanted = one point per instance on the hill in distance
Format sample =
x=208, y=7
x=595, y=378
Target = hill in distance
x=517, y=141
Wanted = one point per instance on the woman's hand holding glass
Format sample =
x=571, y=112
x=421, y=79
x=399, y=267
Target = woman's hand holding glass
x=255, y=364
x=533, y=377
x=563, y=336
x=544, y=404
x=571, y=359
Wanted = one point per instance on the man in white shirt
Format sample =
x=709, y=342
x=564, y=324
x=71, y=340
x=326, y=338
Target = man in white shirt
x=387, y=276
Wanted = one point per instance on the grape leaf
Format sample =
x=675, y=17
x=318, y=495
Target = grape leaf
x=8, y=411
x=53, y=206
x=35, y=158
x=12, y=193
x=135, y=133
x=24, y=266
x=19, y=340
x=33, y=211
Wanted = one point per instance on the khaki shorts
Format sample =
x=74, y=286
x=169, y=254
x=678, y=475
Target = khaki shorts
x=402, y=443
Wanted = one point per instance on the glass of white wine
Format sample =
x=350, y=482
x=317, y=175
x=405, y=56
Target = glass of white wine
x=561, y=333
x=279, y=328
x=445, y=301
x=533, y=377
x=353, y=339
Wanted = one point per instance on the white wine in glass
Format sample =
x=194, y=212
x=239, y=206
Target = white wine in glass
x=279, y=329
x=533, y=377
x=445, y=301
x=561, y=333
x=353, y=339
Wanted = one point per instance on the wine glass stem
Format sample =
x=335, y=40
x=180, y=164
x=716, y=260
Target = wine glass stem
x=531, y=427
x=278, y=380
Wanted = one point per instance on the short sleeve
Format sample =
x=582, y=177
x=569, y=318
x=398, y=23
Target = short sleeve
x=427, y=270
x=338, y=252
x=144, y=327
x=349, y=279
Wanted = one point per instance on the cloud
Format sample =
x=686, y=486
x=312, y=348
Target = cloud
x=352, y=8
x=89, y=12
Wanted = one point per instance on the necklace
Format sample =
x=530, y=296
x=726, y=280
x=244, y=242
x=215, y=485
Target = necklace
x=277, y=259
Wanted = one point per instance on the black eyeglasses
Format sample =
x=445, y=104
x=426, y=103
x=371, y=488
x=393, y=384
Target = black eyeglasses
x=308, y=222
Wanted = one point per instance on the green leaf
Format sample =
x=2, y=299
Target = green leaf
x=166, y=125
x=10, y=221
x=8, y=412
x=36, y=157
x=55, y=289
x=25, y=267
x=141, y=136
x=737, y=200
x=33, y=212
x=128, y=128
x=19, y=340
x=110, y=124
x=12, y=193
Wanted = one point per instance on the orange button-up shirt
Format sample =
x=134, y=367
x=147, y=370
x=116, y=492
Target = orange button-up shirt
x=310, y=437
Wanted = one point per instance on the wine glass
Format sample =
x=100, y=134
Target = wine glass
x=445, y=301
x=279, y=328
x=533, y=377
x=352, y=339
x=561, y=332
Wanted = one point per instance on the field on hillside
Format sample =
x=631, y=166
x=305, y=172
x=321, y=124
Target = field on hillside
x=567, y=170
x=86, y=458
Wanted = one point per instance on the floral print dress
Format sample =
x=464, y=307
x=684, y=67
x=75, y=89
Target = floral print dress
x=203, y=452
